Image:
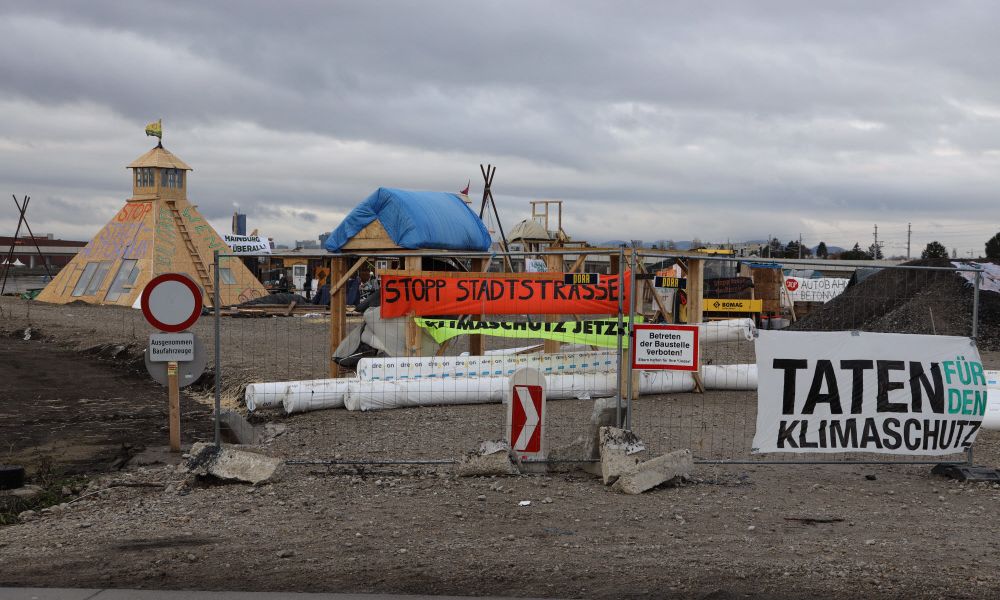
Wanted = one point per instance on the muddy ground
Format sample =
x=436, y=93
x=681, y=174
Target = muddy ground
x=75, y=411
x=757, y=531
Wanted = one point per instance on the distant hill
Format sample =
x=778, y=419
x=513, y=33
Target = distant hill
x=679, y=244
x=829, y=249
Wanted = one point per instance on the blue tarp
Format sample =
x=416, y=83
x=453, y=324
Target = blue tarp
x=415, y=220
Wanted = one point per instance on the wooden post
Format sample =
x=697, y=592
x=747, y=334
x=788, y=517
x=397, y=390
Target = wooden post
x=338, y=309
x=174, y=399
x=414, y=264
x=696, y=304
x=695, y=293
x=477, y=343
x=554, y=263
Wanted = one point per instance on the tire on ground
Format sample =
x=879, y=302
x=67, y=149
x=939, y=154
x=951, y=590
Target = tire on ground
x=11, y=477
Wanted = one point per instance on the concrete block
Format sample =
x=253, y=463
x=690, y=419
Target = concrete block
x=236, y=430
x=604, y=414
x=560, y=456
x=617, y=449
x=493, y=458
x=657, y=471
x=231, y=463
x=27, y=492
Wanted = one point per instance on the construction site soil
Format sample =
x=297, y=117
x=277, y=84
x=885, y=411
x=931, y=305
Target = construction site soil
x=911, y=301
x=731, y=531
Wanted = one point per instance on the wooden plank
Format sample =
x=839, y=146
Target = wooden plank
x=695, y=287
x=338, y=311
x=477, y=343
x=661, y=309
x=373, y=236
x=174, y=400
x=695, y=305
x=554, y=263
x=577, y=263
x=413, y=264
x=347, y=276
x=291, y=307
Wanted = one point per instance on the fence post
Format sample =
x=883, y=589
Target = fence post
x=975, y=333
x=218, y=349
x=631, y=318
x=621, y=361
x=975, y=305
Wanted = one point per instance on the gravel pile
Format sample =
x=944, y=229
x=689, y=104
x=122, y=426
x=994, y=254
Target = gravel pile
x=910, y=301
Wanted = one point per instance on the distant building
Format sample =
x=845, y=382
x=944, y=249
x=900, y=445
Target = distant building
x=57, y=253
x=322, y=238
x=307, y=244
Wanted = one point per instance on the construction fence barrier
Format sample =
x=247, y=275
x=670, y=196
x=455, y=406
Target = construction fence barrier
x=395, y=349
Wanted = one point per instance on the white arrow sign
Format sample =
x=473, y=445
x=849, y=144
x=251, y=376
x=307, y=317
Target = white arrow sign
x=530, y=417
x=525, y=400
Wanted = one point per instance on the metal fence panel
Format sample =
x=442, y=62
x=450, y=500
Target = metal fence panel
x=718, y=425
x=265, y=344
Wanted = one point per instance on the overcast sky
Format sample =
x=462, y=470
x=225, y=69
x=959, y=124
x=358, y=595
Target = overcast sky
x=652, y=120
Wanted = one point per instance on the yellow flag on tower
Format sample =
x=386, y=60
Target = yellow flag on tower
x=155, y=128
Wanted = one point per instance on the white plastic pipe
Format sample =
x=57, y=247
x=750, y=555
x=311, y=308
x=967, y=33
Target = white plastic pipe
x=355, y=394
x=321, y=393
x=382, y=395
x=443, y=367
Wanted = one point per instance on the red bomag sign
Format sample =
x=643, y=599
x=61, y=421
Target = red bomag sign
x=526, y=419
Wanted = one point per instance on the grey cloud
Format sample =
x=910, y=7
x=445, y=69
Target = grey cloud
x=676, y=113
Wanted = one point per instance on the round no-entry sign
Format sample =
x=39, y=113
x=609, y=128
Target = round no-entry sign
x=171, y=302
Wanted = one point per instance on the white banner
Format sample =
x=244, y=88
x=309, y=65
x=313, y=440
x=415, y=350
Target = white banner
x=247, y=244
x=824, y=289
x=535, y=265
x=884, y=393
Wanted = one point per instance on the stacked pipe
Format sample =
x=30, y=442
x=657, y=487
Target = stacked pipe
x=397, y=382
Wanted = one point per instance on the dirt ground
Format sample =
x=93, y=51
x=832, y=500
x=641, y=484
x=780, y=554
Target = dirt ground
x=741, y=531
x=64, y=408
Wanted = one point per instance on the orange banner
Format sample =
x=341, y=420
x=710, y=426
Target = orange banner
x=455, y=293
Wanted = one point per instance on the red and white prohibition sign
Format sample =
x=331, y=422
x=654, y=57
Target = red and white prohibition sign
x=171, y=302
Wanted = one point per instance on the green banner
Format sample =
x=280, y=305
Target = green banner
x=601, y=332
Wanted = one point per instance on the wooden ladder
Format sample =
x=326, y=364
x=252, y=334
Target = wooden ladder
x=199, y=265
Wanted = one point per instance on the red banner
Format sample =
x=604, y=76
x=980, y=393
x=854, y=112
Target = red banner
x=454, y=293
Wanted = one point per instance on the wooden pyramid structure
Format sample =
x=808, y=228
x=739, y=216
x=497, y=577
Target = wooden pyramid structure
x=157, y=231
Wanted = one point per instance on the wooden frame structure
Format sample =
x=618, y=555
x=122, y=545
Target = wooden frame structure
x=374, y=242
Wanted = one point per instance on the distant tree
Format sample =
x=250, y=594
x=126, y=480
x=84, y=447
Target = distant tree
x=935, y=249
x=794, y=249
x=821, y=250
x=875, y=252
x=791, y=249
x=773, y=249
x=696, y=243
x=993, y=248
x=855, y=253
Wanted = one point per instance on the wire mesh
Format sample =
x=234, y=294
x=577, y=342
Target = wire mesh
x=719, y=424
x=424, y=385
